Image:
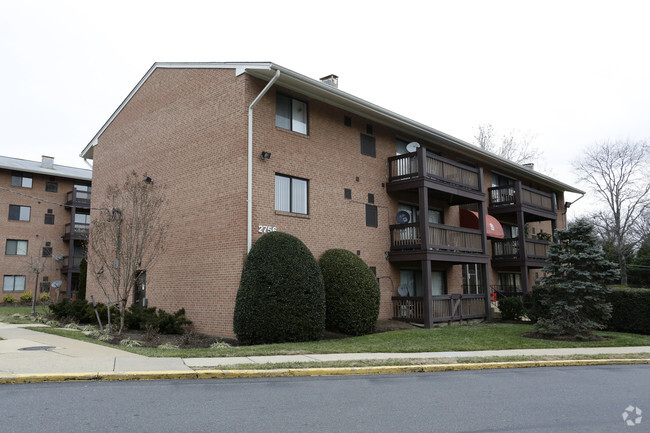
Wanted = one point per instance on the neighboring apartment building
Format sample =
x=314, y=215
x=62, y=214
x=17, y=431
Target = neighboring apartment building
x=46, y=220
x=246, y=148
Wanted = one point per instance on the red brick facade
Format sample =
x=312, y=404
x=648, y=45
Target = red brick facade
x=186, y=128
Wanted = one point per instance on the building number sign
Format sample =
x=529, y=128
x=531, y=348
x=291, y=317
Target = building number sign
x=266, y=229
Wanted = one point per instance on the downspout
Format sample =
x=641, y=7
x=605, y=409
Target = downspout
x=249, y=234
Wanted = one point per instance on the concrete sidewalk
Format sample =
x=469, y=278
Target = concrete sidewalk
x=28, y=356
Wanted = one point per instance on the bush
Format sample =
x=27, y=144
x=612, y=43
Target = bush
x=45, y=297
x=533, y=303
x=511, y=308
x=8, y=299
x=147, y=319
x=630, y=310
x=81, y=311
x=281, y=296
x=351, y=293
x=27, y=298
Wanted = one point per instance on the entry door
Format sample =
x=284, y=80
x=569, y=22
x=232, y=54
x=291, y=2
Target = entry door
x=140, y=289
x=438, y=283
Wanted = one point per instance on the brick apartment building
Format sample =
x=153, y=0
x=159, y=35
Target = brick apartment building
x=46, y=220
x=245, y=148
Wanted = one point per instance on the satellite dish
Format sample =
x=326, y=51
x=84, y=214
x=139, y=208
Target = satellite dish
x=56, y=284
x=412, y=146
x=59, y=257
x=403, y=290
x=403, y=217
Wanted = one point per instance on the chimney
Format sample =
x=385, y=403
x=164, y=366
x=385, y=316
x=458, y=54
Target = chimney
x=529, y=165
x=331, y=80
x=47, y=161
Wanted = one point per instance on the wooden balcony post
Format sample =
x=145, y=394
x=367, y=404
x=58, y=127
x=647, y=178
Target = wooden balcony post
x=518, y=193
x=522, y=246
x=428, y=297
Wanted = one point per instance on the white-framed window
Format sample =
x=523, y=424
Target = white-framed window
x=412, y=279
x=22, y=180
x=19, y=213
x=291, y=114
x=13, y=283
x=291, y=194
x=16, y=247
x=472, y=279
x=435, y=216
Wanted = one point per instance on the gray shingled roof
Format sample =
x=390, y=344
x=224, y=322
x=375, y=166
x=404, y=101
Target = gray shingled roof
x=37, y=167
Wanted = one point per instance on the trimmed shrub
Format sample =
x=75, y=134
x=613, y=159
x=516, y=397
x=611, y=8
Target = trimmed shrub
x=351, y=293
x=533, y=303
x=630, y=310
x=8, y=299
x=148, y=319
x=511, y=308
x=27, y=298
x=81, y=311
x=45, y=297
x=281, y=295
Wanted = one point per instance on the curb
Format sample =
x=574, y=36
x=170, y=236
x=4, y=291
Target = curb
x=304, y=372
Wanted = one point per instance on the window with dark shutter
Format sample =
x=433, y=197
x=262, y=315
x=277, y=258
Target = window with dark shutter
x=371, y=216
x=368, y=145
x=371, y=198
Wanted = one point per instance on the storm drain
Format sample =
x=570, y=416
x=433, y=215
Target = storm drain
x=38, y=348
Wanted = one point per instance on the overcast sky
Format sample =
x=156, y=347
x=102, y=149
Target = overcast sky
x=572, y=73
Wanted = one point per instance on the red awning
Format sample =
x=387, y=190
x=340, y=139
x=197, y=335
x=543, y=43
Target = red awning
x=469, y=219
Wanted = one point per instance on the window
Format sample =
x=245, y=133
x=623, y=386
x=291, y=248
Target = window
x=49, y=218
x=472, y=279
x=347, y=193
x=82, y=218
x=291, y=114
x=13, y=283
x=19, y=213
x=435, y=216
x=500, y=180
x=371, y=216
x=47, y=251
x=347, y=120
x=51, y=187
x=291, y=194
x=44, y=287
x=16, y=248
x=412, y=279
x=371, y=198
x=22, y=180
x=509, y=282
x=369, y=129
x=368, y=145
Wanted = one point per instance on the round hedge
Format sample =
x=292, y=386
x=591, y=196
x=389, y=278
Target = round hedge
x=281, y=296
x=351, y=293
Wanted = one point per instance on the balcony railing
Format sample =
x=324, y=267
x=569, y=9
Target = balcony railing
x=78, y=198
x=440, y=237
x=403, y=167
x=446, y=308
x=509, y=249
x=508, y=196
x=506, y=291
x=71, y=263
x=76, y=230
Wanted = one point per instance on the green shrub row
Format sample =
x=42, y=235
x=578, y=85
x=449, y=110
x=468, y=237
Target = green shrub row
x=82, y=311
x=630, y=310
x=25, y=298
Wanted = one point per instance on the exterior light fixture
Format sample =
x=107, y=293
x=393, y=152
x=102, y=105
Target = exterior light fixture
x=266, y=155
x=147, y=179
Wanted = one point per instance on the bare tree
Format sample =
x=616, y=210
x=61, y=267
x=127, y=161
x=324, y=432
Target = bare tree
x=36, y=265
x=618, y=173
x=515, y=146
x=129, y=239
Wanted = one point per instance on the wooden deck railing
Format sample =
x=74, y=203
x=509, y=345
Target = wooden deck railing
x=436, y=167
x=446, y=308
x=440, y=237
x=507, y=196
x=509, y=248
x=78, y=198
x=76, y=230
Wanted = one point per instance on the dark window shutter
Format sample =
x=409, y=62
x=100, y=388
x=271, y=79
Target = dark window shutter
x=371, y=198
x=368, y=145
x=371, y=216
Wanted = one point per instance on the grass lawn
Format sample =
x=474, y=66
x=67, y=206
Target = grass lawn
x=6, y=311
x=485, y=336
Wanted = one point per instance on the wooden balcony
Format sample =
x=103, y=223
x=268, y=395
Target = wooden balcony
x=76, y=231
x=506, y=253
x=538, y=205
x=446, y=308
x=71, y=264
x=78, y=198
x=445, y=243
x=424, y=167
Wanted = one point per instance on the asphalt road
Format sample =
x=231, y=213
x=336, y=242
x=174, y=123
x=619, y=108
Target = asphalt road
x=569, y=399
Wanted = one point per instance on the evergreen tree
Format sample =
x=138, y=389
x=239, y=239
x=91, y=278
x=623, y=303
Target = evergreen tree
x=575, y=284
